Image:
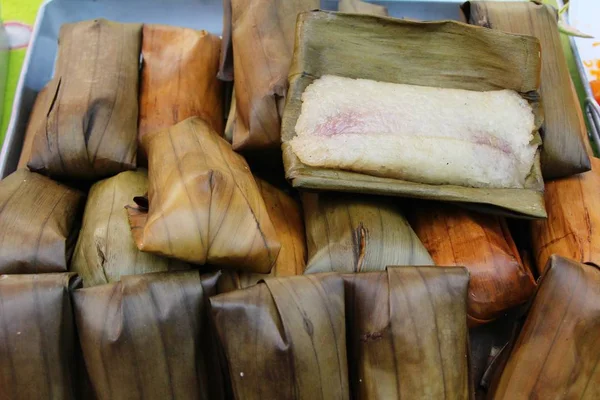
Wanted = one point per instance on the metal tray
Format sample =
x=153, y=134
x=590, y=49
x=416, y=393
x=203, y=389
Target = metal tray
x=199, y=14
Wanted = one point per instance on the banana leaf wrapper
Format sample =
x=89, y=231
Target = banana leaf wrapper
x=572, y=229
x=357, y=233
x=105, y=250
x=286, y=216
x=148, y=336
x=285, y=338
x=361, y=7
x=483, y=244
x=473, y=59
x=408, y=333
x=563, y=131
x=178, y=79
x=229, y=126
x=86, y=127
x=33, y=127
x=39, y=223
x=37, y=336
x=203, y=204
x=558, y=350
x=262, y=39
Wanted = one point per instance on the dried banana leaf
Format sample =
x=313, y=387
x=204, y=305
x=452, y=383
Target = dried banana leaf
x=229, y=127
x=361, y=7
x=483, y=244
x=557, y=353
x=203, y=203
x=355, y=233
x=572, y=229
x=33, y=127
x=286, y=216
x=37, y=336
x=563, y=131
x=86, y=128
x=105, y=250
x=285, y=338
x=472, y=58
x=179, y=79
x=148, y=337
x=407, y=333
x=262, y=33
x=39, y=223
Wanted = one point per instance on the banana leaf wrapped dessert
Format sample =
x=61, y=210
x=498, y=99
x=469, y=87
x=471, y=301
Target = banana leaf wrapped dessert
x=179, y=78
x=557, y=352
x=37, y=332
x=203, y=204
x=86, y=128
x=355, y=233
x=148, y=336
x=39, y=223
x=331, y=335
x=105, y=250
x=466, y=136
x=407, y=333
x=262, y=41
x=33, y=127
x=483, y=244
x=286, y=216
x=572, y=229
x=563, y=131
x=285, y=338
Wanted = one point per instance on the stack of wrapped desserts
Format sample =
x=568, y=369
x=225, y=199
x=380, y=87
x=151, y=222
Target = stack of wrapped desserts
x=435, y=235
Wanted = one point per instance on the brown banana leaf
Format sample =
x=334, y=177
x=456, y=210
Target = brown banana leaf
x=105, y=250
x=337, y=44
x=86, y=127
x=483, y=244
x=39, y=223
x=262, y=33
x=563, y=131
x=355, y=233
x=558, y=351
x=148, y=337
x=203, y=203
x=37, y=337
x=361, y=7
x=179, y=79
x=33, y=127
x=286, y=216
x=229, y=127
x=285, y=338
x=407, y=333
x=573, y=226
